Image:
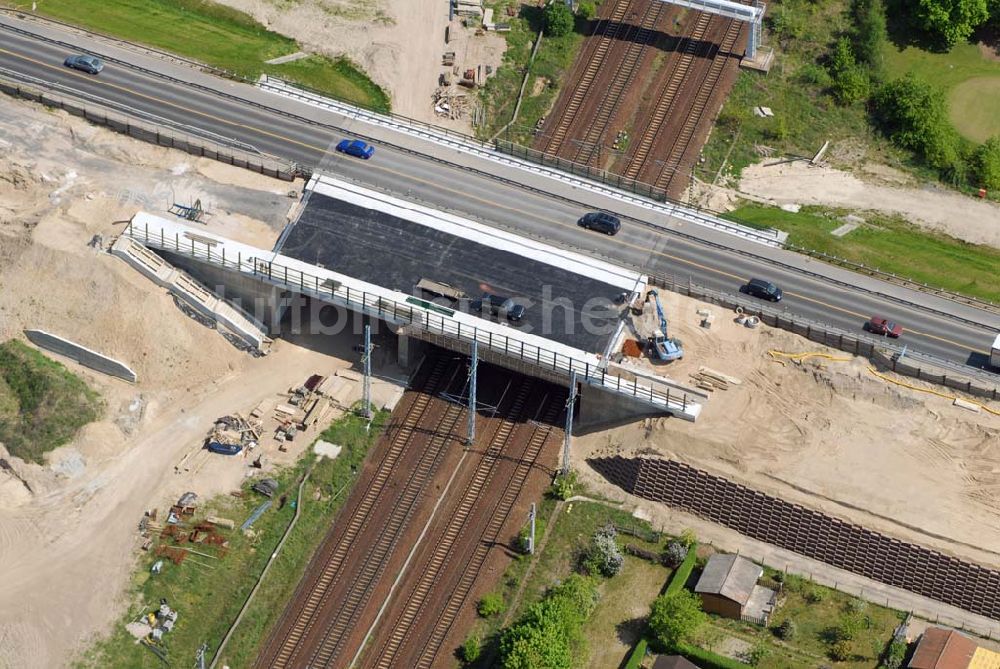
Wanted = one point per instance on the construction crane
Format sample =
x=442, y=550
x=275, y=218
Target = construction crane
x=666, y=348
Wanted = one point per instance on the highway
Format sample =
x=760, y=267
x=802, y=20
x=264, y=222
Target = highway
x=472, y=186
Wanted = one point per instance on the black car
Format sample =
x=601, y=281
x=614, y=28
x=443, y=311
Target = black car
x=765, y=290
x=499, y=306
x=88, y=64
x=602, y=222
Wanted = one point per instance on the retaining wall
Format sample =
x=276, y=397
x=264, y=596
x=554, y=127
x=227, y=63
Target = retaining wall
x=81, y=354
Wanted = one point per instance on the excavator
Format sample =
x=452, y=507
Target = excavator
x=665, y=348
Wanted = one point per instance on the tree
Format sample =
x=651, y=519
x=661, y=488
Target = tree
x=850, y=82
x=471, y=649
x=787, y=629
x=949, y=22
x=604, y=555
x=986, y=163
x=675, y=617
x=564, y=486
x=558, y=19
x=871, y=33
x=586, y=10
x=913, y=114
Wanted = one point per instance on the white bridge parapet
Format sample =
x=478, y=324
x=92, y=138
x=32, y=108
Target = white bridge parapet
x=752, y=14
x=400, y=309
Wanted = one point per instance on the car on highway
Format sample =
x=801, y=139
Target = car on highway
x=356, y=148
x=499, y=306
x=765, y=290
x=883, y=327
x=602, y=222
x=85, y=63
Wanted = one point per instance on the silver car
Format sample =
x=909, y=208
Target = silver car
x=88, y=64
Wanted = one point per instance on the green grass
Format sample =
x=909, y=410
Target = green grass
x=815, y=621
x=209, y=595
x=219, y=36
x=551, y=65
x=42, y=404
x=971, y=82
x=891, y=245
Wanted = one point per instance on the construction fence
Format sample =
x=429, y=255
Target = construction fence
x=882, y=353
x=841, y=544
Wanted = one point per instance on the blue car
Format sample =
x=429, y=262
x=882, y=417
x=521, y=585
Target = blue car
x=88, y=64
x=356, y=148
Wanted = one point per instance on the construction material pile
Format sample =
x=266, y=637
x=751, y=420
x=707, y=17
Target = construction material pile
x=450, y=103
x=232, y=434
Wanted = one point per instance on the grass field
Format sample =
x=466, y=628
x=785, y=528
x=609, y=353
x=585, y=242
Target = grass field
x=219, y=36
x=42, y=404
x=552, y=63
x=971, y=82
x=208, y=593
x=889, y=244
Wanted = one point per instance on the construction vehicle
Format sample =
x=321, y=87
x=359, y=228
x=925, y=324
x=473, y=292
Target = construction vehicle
x=664, y=347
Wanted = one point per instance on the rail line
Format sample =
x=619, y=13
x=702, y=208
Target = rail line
x=613, y=25
x=376, y=559
x=639, y=38
x=289, y=644
x=670, y=169
x=403, y=628
x=668, y=98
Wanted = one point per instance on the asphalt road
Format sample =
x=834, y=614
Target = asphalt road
x=933, y=326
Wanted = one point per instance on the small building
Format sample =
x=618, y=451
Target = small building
x=728, y=587
x=673, y=662
x=942, y=649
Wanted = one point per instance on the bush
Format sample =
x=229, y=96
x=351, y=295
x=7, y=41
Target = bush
x=793, y=583
x=675, y=617
x=787, y=630
x=871, y=34
x=894, y=655
x=913, y=114
x=815, y=595
x=491, y=604
x=564, y=486
x=850, y=82
x=757, y=654
x=949, y=22
x=472, y=648
x=986, y=163
x=681, y=575
x=604, y=555
x=848, y=628
x=857, y=606
x=558, y=19
x=688, y=537
x=586, y=10
x=840, y=651
x=675, y=554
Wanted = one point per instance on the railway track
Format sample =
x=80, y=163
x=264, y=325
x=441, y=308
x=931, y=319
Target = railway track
x=287, y=643
x=639, y=38
x=668, y=98
x=414, y=611
x=670, y=169
x=612, y=27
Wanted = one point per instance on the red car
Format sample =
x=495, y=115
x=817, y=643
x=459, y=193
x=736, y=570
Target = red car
x=883, y=326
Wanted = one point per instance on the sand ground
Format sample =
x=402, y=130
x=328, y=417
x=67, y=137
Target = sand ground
x=68, y=545
x=871, y=188
x=827, y=434
x=398, y=43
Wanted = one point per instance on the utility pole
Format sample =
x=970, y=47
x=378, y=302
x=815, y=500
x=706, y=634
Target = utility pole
x=366, y=360
x=473, y=366
x=570, y=402
x=531, y=537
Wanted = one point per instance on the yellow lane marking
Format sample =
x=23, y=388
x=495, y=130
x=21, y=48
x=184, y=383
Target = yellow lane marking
x=438, y=186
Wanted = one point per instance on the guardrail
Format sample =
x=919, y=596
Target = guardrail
x=879, y=351
x=413, y=316
x=152, y=130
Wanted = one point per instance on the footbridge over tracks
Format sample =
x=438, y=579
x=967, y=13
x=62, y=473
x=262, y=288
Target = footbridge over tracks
x=752, y=14
x=378, y=254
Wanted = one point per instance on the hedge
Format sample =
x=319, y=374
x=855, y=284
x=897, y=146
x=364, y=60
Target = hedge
x=683, y=572
x=638, y=653
x=706, y=659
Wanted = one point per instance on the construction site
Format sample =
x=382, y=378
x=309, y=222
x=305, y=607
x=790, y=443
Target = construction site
x=249, y=326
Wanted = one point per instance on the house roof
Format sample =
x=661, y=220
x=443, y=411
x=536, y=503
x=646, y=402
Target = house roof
x=730, y=576
x=985, y=659
x=673, y=662
x=942, y=649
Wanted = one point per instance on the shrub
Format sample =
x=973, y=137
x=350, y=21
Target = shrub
x=815, y=595
x=564, y=486
x=675, y=617
x=681, y=575
x=491, y=604
x=857, y=606
x=604, y=555
x=472, y=648
x=913, y=114
x=949, y=22
x=786, y=630
x=757, y=653
x=586, y=10
x=894, y=655
x=793, y=583
x=688, y=537
x=986, y=163
x=675, y=554
x=840, y=651
x=558, y=19
x=848, y=628
x=850, y=82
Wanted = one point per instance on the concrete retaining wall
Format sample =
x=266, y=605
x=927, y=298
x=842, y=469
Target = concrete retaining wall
x=80, y=354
